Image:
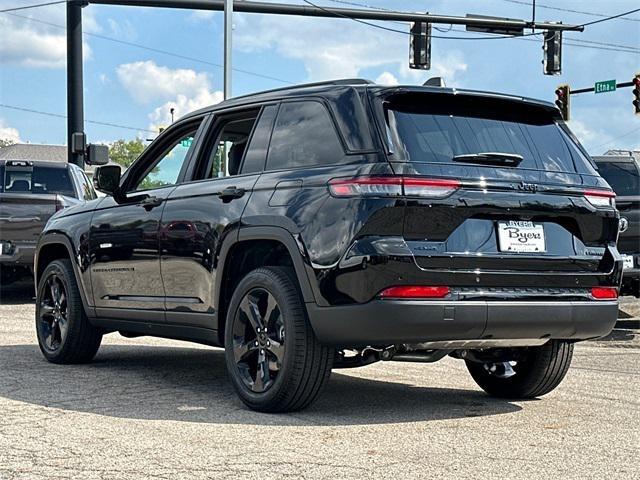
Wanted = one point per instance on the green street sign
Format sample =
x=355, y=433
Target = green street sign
x=605, y=86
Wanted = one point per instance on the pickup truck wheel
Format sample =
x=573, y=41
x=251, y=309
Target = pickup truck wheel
x=64, y=332
x=273, y=358
x=536, y=373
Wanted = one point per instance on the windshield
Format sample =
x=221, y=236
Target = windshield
x=623, y=177
x=436, y=132
x=38, y=180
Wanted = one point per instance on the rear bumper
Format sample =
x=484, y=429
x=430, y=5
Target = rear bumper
x=19, y=255
x=386, y=322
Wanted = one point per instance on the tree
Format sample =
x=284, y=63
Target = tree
x=124, y=152
x=5, y=142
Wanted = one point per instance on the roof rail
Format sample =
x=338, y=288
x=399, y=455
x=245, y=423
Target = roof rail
x=343, y=81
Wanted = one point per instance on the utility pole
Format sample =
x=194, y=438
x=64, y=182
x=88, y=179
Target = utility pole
x=228, y=46
x=76, y=139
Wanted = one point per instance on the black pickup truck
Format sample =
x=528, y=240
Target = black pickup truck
x=30, y=192
x=622, y=172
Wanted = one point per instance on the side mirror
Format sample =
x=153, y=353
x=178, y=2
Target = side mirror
x=107, y=179
x=97, y=154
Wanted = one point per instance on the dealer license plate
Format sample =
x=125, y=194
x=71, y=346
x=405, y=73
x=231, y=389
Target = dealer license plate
x=521, y=237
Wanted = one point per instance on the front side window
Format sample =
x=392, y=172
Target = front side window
x=304, y=136
x=167, y=169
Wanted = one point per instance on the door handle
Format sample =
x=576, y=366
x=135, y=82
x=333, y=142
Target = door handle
x=230, y=193
x=151, y=202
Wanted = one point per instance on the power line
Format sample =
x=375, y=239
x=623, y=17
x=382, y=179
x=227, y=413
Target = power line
x=626, y=48
x=493, y=37
x=25, y=7
x=58, y=115
x=617, y=138
x=156, y=50
x=560, y=9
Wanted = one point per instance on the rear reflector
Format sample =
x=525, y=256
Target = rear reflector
x=604, y=293
x=600, y=198
x=392, y=186
x=414, y=291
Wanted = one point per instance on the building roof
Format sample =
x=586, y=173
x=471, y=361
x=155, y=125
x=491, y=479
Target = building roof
x=34, y=151
x=37, y=152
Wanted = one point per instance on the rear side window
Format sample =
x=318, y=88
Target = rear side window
x=38, y=180
x=304, y=136
x=623, y=177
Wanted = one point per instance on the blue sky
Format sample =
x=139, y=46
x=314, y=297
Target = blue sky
x=135, y=87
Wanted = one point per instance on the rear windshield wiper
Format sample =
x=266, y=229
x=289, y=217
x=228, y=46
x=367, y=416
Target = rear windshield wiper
x=490, y=158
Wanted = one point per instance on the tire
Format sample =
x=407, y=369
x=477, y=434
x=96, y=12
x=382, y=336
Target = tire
x=65, y=335
x=291, y=366
x=538, y=373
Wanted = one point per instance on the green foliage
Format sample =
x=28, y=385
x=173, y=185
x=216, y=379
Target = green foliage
x=124, y=152
x=5, y=142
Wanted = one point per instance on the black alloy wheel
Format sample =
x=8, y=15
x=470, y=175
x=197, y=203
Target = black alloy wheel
x=273, y=357
x=258, y=340
x=64, y=332
x=53, y=313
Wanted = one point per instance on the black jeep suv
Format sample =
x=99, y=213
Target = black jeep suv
x=337, y=224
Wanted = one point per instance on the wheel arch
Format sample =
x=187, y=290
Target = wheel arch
x=257, y=247
x=54, y=246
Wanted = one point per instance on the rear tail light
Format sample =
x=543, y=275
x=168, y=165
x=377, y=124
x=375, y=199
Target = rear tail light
x=394, y=186
x=600, y=198
x=414, y=292
x=604, y=293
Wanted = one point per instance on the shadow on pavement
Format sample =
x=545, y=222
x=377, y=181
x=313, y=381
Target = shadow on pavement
x=188, y=384
x=18, y=293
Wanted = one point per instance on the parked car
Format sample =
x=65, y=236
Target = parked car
x=30, y=192
x=340, y=224
x=622, y=172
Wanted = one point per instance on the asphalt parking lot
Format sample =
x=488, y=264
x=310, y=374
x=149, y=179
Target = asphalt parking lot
x=150, y=408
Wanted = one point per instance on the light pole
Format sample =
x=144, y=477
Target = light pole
x=228, y=30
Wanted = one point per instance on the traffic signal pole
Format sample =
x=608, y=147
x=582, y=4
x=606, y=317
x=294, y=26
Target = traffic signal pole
x=75, y=98
x=228, y=47
x=75, y=122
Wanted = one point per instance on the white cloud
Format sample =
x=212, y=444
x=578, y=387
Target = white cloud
x=146, y=81
x=184, y=90
x=31, y=44
x=202, y=16
x=124, y=30
x=183, y=104
x=9, y=133
x=339, y=48
x=387, y=78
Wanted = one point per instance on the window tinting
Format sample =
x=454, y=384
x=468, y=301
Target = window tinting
x=432, y=131
x=38, y=180
x=623, y=177
x=257, y=151
x=304, y=136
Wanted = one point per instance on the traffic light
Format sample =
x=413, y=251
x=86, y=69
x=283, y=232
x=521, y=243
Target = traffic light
x=563, y=95
x=420, y=46
x=552, y=59
x=636, y=93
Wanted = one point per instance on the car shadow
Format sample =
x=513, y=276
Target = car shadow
x=191, y=384
x=18, y=293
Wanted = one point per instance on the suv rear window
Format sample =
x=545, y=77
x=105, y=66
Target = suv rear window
x=37, y=180
x=432, y=130
x=623, y=177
